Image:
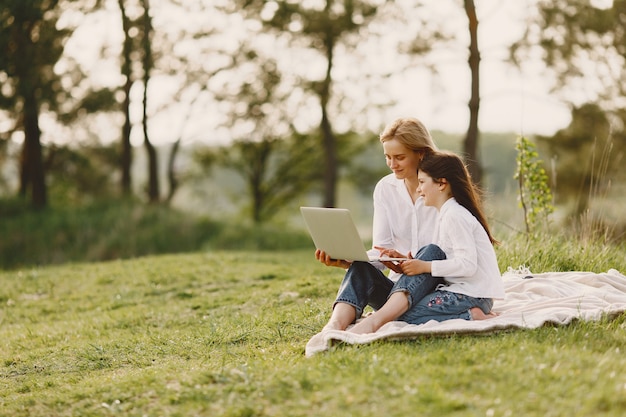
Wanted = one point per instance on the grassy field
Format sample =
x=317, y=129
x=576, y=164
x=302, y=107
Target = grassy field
x=223, y=334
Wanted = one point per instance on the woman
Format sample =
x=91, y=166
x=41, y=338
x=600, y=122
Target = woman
x=470, y=270
x=401, y=223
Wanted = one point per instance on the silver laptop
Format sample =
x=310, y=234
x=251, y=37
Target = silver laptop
x=334, y=232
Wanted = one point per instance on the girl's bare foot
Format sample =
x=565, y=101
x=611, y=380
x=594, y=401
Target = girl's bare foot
x=477, y=314
x=366, y=325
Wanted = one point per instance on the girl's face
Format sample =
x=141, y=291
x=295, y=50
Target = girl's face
x=430, y=190
x=401, y=160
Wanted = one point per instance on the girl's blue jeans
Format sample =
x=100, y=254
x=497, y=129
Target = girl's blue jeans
x=365, y=285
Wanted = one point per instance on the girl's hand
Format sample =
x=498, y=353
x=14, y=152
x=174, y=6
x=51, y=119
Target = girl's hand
x=324, y=258
x=415, y=267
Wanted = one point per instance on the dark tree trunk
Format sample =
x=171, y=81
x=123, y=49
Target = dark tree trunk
x=171, y=172
x=470, y=146
x=32, y=170
x=153, y=167
x=328, y=137
x=126, y=159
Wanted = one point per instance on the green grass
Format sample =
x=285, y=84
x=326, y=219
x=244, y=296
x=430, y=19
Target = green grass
x=223, y=334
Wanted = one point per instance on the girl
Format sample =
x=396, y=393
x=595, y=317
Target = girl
x=470, y=269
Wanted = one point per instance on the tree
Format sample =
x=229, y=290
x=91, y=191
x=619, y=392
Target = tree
x=126, y=158
x=137, y=47
x=534, y=194
x=580, y=41
x=277, y=164
x=580, y=154
x=31, y=45
x=584, y=44
x=470, y=145
x=322, y=28
x=432, y=36
x=148, y=64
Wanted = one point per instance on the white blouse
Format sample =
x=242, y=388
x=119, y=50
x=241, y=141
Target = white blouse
x=471, y=267
x=398, y=222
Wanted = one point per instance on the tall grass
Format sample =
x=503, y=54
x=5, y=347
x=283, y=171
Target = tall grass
x=124, y=229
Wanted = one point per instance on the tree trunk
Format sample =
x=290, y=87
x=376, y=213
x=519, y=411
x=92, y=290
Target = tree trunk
x=127, y=155
x=471, y=139
x=171, y=172
x=32, y=170
x=328, y=138
x=153, y=167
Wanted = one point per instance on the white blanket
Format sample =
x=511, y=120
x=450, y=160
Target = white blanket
x=531, y=301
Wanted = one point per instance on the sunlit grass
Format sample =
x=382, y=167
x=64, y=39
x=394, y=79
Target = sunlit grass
x=223, y=334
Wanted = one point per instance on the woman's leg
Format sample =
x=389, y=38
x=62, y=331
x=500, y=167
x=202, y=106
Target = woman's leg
x=362, y=285
x=408, y=289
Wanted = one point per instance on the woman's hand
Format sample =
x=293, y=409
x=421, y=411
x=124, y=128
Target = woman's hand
x=324, y=258
x=391, y=253
x=395, y=266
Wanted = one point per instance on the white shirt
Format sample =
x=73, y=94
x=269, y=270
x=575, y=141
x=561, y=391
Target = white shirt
x=398, y=222
x=471, y=267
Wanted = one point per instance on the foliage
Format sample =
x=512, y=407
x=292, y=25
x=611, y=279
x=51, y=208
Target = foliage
x=223, y=334
x=276, y=171
x=80, y=174
x=323, y=30
x=122, y=229
x=535, y=196
x=580, y=40
x=582, y=155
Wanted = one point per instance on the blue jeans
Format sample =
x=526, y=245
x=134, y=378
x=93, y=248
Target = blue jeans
x=442, y=305
x=365, y=285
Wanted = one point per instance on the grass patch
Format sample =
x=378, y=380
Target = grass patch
x=223, y=334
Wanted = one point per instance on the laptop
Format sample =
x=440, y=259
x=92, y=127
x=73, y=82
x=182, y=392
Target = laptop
x=334, y=232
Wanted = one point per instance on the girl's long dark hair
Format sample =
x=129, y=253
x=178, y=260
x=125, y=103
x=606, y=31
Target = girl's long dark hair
x=449, y=166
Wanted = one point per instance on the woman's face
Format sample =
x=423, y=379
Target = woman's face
x=400, y=159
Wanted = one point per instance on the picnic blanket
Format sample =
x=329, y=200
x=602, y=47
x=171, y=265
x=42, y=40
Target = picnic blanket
x=531, y=301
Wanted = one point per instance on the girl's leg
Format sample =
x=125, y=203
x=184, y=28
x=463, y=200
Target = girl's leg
x=397, y=304
x=444, y=305
x=362, y=285
x=408, y=289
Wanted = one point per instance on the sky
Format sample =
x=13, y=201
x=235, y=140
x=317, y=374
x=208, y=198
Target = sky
x=512, y=100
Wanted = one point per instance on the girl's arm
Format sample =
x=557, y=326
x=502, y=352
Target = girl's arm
x=459, y=242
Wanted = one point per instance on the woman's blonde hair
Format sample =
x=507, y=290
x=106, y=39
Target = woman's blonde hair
x=411, y=133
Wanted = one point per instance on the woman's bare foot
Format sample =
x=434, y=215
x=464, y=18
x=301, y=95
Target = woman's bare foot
x=477, y=314
x=333, y=325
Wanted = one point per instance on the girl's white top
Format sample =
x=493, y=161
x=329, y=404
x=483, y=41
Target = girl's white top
x=398, y=222
x=471, y=267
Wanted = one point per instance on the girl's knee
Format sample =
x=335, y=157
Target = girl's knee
x=430, y=252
